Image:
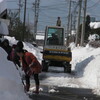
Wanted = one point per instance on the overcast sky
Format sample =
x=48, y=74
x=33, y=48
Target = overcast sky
x=50, y=10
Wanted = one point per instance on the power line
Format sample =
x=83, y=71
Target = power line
x=95, y=5
x=12, y=1
x=57, y=5
x=53, y=17
x=54, y=9
x=96, y=15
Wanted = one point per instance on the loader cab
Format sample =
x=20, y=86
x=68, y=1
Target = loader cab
x=54, y=36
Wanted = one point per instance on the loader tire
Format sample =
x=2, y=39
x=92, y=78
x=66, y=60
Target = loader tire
x=67, y=68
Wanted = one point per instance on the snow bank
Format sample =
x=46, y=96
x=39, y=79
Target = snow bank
x=29, y=47
x=11, y=87
x=86, y=64
x=93, y=37
x=36, y=51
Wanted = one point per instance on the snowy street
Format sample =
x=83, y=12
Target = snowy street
x=84, y=79
x=65, y=93
x=72, y=91
x=49, y=50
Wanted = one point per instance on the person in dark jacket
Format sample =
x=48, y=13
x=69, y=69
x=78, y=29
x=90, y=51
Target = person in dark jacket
x=14, y=57
x=5, y=45
x=53, y=40
x=58, y=22
x=31, y=66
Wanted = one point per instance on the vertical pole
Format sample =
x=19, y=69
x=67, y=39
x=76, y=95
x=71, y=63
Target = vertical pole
x=74, y=15
x=83, y=25
x=35, y=19
x=69, y=14
x=70, y=28
x=37, y=2
x=24, y=22
x=29, y=28
x=78, y=23
x=19, y=7
x=68, y=25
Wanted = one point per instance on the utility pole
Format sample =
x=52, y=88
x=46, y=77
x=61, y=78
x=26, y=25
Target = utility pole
x=28, y=27
x=78, y=23
x=68, y=24
x=69, y=17
x=36, y=8
x=72, y=19
x=83, y=25
x=19, y=7
x=24, y=22
x=74, y=14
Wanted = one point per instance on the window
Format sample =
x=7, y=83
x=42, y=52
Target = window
x=55, y=36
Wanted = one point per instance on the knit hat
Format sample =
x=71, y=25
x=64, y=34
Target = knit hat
x=20, y=44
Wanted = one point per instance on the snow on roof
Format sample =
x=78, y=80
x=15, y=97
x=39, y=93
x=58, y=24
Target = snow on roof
x=1, y=0
x=95, y=25
x=3, y=5
x=3, y=23
x=40, y=37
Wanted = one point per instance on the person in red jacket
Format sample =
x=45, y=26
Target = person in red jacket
x=31, y=66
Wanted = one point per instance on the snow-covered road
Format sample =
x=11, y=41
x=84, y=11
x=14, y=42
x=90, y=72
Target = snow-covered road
x=85, y=72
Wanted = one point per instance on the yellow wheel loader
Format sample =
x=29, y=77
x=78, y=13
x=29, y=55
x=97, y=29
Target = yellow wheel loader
x=55, y=52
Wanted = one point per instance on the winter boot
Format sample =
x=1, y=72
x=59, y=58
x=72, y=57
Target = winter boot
x=37, y=89
x=27, y=87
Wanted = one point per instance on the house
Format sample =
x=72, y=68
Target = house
x=3, y=18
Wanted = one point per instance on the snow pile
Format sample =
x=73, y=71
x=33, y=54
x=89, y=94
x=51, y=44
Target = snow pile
x=36, y=51
x=86, y=63
x=11, y=87
x=93, y=37
x=53, y=91
x=95, y=25
x=29, y=47
x=12, y=40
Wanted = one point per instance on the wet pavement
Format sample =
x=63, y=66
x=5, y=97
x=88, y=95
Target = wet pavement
x=64, y=93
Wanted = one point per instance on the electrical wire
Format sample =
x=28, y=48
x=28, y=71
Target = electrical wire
x=12, y=1
x=52, y=17
x=95, y=5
